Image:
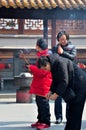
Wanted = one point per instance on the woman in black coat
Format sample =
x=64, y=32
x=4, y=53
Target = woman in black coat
x=63, y=48
x=69, y=82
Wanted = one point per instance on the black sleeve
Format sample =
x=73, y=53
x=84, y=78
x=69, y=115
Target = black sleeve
x=62, y=82
x=54, y=49
x=71, y=55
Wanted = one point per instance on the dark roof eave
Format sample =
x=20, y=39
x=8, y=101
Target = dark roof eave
x=57, y=13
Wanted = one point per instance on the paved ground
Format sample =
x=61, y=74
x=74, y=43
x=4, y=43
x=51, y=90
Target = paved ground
x=19, y=116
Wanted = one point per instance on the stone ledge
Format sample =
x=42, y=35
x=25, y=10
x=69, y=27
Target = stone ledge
x=7, y=96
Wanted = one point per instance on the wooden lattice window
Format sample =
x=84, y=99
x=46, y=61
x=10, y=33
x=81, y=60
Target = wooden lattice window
x=33, y=26
x=8, y=26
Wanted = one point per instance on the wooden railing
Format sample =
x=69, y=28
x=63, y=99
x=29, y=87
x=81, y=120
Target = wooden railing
x=81, y=54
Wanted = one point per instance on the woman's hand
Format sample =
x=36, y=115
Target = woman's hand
x=60, y=50
x=48, y=95
x=53, y=96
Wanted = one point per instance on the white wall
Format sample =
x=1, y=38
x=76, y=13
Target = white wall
x=29, y=41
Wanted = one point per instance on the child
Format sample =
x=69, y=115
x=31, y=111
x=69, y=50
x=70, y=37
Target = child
x=41, y=79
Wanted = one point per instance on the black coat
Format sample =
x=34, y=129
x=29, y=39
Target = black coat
x=69, y=81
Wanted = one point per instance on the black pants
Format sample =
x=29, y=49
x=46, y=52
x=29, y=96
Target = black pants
x=43, y=110
x=58, y=108
x=75, y=115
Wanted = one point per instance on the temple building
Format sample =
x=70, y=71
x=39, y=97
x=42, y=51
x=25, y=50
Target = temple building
x=23, y=21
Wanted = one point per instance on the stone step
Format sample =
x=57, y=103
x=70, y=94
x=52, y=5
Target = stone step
x=7, y=94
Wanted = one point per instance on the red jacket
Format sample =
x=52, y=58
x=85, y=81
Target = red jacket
x=41, y=82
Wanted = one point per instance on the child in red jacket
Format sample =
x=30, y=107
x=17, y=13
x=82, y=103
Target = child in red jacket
x=40, y=86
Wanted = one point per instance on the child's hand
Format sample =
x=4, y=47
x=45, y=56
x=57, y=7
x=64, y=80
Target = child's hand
x=26, y=66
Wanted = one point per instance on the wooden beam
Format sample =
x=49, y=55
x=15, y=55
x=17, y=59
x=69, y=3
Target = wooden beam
x=53, y=35
x=21, y=26
x=45, y=29
x=58, y=13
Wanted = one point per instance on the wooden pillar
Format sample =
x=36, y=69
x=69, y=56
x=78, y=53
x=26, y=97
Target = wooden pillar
x=21, y=26
x=53, y=33
x=45, y=33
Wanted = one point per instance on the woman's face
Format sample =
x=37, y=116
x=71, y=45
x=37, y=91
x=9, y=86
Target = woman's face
x=47, y=67
x=63, y=40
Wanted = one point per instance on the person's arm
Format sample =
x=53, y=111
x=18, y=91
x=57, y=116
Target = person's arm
x=54, y=49
x=36, y=71
x=62, y=80
x=70, y=55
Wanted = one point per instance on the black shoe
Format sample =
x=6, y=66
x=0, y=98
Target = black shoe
x=58, y=121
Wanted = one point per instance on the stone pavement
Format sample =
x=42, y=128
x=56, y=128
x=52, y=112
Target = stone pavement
x=19, y=116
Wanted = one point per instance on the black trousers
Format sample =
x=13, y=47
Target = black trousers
x=75, y=115
x=58, y=108
x=43, y=110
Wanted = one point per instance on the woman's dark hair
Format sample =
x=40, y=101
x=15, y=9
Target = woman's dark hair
x=62, y=33
x=42, y=61
x=42, y=43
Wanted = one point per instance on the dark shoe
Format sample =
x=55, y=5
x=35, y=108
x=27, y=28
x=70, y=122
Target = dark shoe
x=58, y=121
x=42, y=126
